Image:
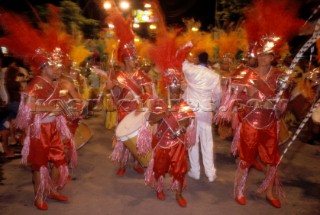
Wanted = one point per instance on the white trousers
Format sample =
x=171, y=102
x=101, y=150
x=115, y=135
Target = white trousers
x=205, y=140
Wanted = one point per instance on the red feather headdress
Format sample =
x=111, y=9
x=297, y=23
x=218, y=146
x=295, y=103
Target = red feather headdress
x=270, y=23
x=123, y=30
x=168, y=56
x=37, y=47
x=166, y=52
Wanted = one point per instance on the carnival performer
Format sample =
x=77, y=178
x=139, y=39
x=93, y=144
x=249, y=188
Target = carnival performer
x=174, y=121
x=135, y=86
x=258, y=95
x=257, y=133
x=43, y=146
x=203, y=94
x=40, y=114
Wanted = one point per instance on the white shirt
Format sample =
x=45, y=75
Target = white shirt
x=203, y=92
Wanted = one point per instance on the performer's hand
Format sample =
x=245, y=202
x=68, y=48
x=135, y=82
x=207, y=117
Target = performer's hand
x=109, y=84
x=54, y=110
x=156, y=117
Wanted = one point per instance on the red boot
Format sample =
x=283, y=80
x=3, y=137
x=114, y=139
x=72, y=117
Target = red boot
x=139, y=169
x=241, y=200
x=161, y=196
x=41, y=205
x=274, y=202
x=181, y=201
x=59, y=197
x=121, y=171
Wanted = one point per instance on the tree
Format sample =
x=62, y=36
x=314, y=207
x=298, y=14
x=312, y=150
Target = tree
x=76, y=23
x=229, y=13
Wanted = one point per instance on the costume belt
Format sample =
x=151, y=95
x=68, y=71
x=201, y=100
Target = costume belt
x=259, y=118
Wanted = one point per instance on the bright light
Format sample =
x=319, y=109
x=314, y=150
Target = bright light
x=111, y=25
x=147, y=5
x=152, y=26
x=124, y=5
x=194, y=29
x=136, y=25
x=136, y=40
x=107, y=5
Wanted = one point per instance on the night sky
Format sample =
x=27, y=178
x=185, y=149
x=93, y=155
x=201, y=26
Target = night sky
x=175, y=10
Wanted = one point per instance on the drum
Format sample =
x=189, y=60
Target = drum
x=83, y=135
x=316, y=115
x=127, y=132
x=284, y=133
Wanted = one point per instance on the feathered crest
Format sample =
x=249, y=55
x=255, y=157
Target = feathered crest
x=230, y=43
x=124, y=33
x=202, y=41
x=35, y=46
x=79, y=53
x=168, y=56
x=272, y=17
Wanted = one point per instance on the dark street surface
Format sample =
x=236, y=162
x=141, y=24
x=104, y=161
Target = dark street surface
x=96, y=189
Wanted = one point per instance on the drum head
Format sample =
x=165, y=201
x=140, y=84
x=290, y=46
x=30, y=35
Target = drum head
x=130, y=125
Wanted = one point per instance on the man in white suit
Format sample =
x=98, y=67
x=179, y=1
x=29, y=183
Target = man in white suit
x=203, y=94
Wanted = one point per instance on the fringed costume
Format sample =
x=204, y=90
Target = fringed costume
x=257, y=93
x=44, y=49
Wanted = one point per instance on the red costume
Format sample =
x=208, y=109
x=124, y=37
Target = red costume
x=43, y=141
x=127, y=101
x=258, y=130
x=170, y=148
x=44, y=49
x=132, y=88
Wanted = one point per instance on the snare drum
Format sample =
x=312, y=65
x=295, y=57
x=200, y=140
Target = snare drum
x=127, y=132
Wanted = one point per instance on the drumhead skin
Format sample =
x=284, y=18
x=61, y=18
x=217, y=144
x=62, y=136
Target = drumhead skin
x=130, y=125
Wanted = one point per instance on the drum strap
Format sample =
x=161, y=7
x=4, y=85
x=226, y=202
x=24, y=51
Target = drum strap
x=169, y=122
x=128, y=83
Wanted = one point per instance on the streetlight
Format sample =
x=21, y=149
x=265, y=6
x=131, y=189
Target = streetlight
x=107, y=5
x=136, y=25
x=124, y=5
x=152, y=26
x=110, y=25
x=194, y=29
x=147, y=5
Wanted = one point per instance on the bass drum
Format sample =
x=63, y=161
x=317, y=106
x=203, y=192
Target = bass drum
x=316, y=115
x=284, y=133
x=83, y=135
x=127, y=132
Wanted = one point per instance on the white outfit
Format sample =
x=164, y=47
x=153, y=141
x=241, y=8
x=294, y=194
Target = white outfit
x=203, y=94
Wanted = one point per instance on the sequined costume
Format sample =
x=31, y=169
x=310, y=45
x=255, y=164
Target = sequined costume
x=257, y=133
x=170, y=148
x=43, y=142
x=129, y=97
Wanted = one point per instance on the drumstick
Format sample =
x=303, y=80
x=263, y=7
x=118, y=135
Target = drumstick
x=169, y=99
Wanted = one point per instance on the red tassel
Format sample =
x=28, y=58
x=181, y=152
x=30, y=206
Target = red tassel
x=144, y=139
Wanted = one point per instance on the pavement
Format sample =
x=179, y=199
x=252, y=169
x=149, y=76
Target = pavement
x=96, y=189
